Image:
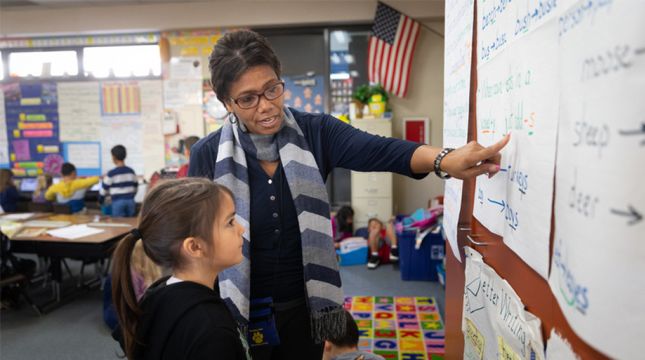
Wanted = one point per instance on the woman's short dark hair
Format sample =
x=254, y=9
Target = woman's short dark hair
x=236, y=52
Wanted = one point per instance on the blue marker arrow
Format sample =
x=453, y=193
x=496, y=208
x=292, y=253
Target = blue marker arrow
x=502, y=203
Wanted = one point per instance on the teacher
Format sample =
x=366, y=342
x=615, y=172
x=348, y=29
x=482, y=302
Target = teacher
x=287, y=290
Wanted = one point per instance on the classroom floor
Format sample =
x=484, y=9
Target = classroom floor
x=76, y=330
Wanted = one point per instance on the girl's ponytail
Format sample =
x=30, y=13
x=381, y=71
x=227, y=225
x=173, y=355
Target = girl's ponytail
x=123, y=296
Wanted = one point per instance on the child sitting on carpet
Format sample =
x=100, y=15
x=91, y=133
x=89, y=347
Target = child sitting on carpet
x=378, y=237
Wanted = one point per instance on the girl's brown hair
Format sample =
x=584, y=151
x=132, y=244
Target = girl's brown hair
x=236, y=52
x=6, y=177
x=173, y=211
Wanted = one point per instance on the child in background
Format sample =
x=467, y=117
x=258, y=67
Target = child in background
x=342, y=225
x=121, y=184
x=346, y=347
x=188, y=143
x=8, y=193
x=144, y=271
x=378, y=237
x=70, y=190
x=181, y=316
x=43, y=183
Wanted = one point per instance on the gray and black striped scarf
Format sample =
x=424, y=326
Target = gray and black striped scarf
x=322, y=280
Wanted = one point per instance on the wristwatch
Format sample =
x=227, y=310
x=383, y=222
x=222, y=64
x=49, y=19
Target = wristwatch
x=437, y=164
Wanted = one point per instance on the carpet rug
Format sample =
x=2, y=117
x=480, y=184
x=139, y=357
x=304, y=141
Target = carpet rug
x=398, y=328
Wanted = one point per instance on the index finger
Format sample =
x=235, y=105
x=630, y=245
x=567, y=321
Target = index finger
x=495, y=148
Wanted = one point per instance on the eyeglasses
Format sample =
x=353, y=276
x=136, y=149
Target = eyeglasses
x=252, y=100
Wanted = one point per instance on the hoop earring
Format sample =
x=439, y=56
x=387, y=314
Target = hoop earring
x=233, y=119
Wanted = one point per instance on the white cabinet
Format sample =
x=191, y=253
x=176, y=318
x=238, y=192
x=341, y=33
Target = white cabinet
x=372, y=191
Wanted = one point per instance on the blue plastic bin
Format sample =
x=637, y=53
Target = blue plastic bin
x=420, y=264
x=355, y=257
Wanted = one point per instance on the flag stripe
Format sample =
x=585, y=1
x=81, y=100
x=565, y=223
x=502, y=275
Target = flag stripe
x=396, y=72
x=408, y=62
x=406, y=42
x=404, y=64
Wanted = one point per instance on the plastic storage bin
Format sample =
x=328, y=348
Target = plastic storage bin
x=353, y=251
x=420, y=264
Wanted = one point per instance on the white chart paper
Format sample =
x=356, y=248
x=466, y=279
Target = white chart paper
x=84, y=155
x=599, y=248
x=458, y=52
x=495, y=324
x=558, y=348
x=79, y=111
x=517, y=94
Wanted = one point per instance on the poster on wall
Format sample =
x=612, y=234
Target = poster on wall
x=120, y=98
x=31, y=112
x=305, y=93
x=4, y=143
x=495, y=324
x=79, y=111
x=599, y=248
x=456, y=102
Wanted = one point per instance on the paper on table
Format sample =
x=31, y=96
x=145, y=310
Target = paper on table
x=74, y=232
x=105, y=224
x=558, y=348
x=598, y=251
x=456, y=88
x=19, y=216
x=46, y=223
x=495, y=324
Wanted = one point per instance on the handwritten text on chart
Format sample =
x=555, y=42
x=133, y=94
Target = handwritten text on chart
x=483, y=287
x=610, y=61
x=582, y=202
x=591, y=135
x=534, y=14
x=581, y=11
x=512, y=219
x=574, y=294
x=512, y=82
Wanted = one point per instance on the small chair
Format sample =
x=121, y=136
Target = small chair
x=21, y=282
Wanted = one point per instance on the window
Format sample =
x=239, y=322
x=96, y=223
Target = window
x=348, y=66
x=43, y=63
x=122, y=61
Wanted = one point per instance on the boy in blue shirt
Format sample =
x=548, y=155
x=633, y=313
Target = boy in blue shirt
x=121, y=184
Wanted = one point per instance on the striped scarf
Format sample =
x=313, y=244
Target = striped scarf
x=322, y=280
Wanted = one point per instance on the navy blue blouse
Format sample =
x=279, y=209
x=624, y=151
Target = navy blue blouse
x=276, y=251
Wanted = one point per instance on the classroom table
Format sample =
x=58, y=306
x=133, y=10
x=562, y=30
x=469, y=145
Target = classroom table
x=97, y=247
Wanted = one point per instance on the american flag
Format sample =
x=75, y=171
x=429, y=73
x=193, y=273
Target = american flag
x=391, y=49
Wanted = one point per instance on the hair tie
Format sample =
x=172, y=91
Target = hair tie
x=136, y=233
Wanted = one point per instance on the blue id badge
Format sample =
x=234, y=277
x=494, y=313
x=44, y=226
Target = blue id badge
x=262, y=327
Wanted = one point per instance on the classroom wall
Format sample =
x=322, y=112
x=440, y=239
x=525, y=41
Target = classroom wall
x=79, y=19
x=425, y=94
x=425, y=98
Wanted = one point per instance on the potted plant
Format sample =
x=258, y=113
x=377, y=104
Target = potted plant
x=361, y=98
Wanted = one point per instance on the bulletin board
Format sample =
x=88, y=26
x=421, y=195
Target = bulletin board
x=32, y=128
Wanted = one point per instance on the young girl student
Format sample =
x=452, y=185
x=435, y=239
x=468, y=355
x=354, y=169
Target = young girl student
x=181, y=316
